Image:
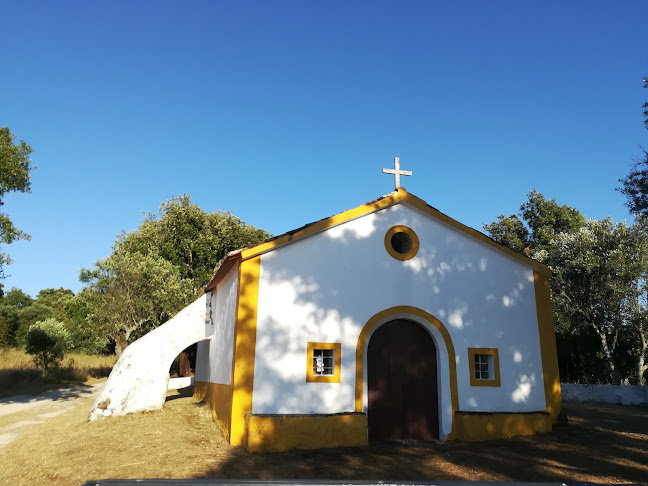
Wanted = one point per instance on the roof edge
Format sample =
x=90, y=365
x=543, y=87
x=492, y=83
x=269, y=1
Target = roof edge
x=230, y=260
x=400, y=195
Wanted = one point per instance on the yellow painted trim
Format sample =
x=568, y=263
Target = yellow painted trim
x=486, y=426
x=413, y=239
x=383, y=316
x=244, y=347
x=548, y=350
x=496, y=367
x=276, y=433
x=337, y=357
x=395, y=197
x=219, y=399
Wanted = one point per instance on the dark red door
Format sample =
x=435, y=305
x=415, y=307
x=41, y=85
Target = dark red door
x=402, y=383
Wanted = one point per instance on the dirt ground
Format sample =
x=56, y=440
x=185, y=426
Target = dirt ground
x=603, y=444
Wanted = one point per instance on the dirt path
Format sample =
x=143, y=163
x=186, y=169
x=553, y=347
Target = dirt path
x=19, y=412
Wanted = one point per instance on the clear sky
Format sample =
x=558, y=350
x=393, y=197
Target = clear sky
x=285, y=112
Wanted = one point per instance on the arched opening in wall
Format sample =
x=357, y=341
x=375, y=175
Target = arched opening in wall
x=182, y=371
x=402, y=383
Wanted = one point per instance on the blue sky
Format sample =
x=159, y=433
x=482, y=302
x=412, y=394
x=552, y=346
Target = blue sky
x=285, y=112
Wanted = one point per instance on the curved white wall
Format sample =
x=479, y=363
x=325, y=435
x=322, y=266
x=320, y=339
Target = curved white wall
x=324, y=288
x=140, y=378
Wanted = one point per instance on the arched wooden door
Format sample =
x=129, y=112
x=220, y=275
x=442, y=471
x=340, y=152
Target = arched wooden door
x=402, y=383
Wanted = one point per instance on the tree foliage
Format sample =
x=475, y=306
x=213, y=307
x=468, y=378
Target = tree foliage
x=160, y=268
x=192, y=240
x=635, y=184
x=19, y=311
x=536, y=225
x=131, y=292
x=15, y=169
x=48, y=341
x=596, y=273
x=597, y=286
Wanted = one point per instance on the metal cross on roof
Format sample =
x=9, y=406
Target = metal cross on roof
x=397, y=172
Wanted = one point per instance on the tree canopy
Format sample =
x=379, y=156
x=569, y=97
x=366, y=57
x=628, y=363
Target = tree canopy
x=156, y=270
x=599, y=274
x=536, y=225
x=635, y=184
x=15, y=173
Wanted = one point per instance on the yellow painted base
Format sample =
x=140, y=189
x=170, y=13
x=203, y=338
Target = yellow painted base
x=275, y=433
x=219, y=399
x=471, y=426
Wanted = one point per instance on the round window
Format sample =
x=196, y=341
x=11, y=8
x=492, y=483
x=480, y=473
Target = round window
x=401, y=242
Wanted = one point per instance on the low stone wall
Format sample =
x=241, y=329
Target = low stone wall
x=181, y=382
x=612, y=394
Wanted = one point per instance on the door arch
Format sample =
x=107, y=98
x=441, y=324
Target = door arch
x=402, y=383
x=446, y=362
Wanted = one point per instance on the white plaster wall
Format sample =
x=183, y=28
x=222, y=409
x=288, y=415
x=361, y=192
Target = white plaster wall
x=324, y=288
x=214, y=356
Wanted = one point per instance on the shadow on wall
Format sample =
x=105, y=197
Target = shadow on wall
x=331, y=296
x=600, y=444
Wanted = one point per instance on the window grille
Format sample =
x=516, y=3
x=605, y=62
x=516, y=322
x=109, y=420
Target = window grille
x=323, y=362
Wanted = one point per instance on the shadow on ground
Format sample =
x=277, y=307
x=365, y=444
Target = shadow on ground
x=179, y=393
x=75, y=391
x=600, y=444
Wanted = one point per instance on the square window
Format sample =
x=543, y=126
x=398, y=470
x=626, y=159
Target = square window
x=484, y=366
x=483, y=363
x=323, y=362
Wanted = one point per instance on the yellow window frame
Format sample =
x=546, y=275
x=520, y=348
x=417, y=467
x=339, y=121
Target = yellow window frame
x=495, y=381
x=413, y=240
x=337, y=358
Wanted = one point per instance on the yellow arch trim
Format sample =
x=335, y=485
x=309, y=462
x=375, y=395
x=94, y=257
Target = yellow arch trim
x=382, y=316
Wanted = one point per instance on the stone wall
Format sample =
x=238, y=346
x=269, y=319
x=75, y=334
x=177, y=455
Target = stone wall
x=612, y=394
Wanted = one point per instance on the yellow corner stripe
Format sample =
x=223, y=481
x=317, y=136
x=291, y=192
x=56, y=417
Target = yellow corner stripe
x=548, y=349
x=244, y=348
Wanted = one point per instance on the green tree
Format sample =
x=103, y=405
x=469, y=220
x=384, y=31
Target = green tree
x=160, y=268
x=133, y=292
x=12, y=305
x=17, y=298
x=85, y=336
x=5, y=340
x=638, y=299
x=596, y=271
x=48, y=341
x=192, y=240
x=538, y=223
x=15, y=172
x=635, y=184
x=27, y=317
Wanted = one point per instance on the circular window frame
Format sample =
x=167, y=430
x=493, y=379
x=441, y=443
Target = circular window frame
x=414, y=242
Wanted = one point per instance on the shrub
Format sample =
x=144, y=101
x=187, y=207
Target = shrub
x=48, y=341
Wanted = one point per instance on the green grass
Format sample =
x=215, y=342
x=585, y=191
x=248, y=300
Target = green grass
x=18, y=374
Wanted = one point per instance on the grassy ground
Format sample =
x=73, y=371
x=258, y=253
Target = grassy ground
x=19, y=375
x=603, y=444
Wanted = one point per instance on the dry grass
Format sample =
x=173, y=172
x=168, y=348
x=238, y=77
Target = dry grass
x=176, y=442
x=18, y=374
x=601, y=444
